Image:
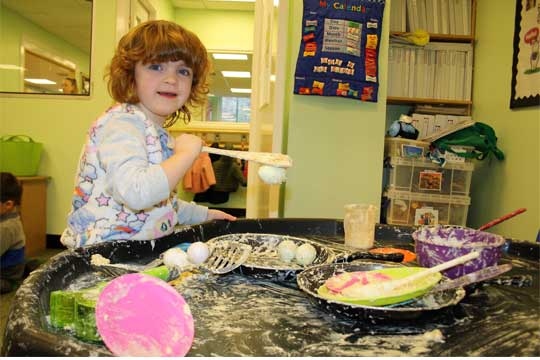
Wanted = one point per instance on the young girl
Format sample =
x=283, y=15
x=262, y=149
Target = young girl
x=130, y=166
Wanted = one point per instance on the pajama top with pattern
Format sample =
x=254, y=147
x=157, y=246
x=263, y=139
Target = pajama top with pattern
x=121, y=191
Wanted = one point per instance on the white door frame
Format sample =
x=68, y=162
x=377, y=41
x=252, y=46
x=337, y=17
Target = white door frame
x=267, y=110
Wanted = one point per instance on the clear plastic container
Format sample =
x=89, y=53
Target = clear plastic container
x=424, y=176
x=359, y=225
x=403, y=208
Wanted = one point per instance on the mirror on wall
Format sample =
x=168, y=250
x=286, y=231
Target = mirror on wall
x=46, y=46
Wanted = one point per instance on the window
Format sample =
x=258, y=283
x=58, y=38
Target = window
x=229, y=109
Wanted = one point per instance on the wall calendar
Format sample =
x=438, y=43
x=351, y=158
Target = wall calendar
x=339, y=49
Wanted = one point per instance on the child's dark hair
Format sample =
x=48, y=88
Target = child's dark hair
x=158, y=41
x=73, y=81
x=10, y=188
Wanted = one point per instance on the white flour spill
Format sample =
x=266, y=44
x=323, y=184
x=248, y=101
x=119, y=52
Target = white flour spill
x=234, y=317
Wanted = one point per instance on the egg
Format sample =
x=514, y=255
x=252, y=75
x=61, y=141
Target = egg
x=287, y=250
x=198, y=252
x=272, y=174
x=175, y=257
x=305, y=254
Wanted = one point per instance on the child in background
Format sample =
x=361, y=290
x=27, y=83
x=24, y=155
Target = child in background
x=125, y=185
x=229, y=176
x=12, y=238
x=69, y=86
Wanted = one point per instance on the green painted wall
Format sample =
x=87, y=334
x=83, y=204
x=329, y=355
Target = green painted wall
x=500, y=187
x=336, y=144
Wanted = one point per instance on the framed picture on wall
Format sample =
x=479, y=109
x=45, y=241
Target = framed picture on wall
x=525, y=89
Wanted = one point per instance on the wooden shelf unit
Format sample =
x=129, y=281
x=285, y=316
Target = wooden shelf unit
x=34, y=212
x=406, y=100
x=443, y=37
x=449, y=38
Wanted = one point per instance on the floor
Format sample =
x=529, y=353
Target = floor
x=6, y=299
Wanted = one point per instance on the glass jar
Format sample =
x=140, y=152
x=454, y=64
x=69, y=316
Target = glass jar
x=359, y=225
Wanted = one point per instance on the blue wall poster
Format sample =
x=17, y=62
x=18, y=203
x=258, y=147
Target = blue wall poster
x=339, y=49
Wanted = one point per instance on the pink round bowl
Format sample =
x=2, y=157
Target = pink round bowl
x=437, y=244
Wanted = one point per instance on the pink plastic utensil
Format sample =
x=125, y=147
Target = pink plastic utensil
x=501, y=219
x=139, y=315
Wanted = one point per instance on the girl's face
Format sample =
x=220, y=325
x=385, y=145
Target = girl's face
x=162, y=88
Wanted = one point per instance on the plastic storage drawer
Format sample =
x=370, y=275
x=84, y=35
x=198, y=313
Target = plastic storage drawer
x=406, y=208
x=395, y=146
x=424, y=176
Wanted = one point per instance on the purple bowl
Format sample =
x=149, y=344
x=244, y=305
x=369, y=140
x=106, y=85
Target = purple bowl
x=437, y=244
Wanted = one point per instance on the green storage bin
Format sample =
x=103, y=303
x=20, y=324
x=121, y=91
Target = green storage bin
x=20, y=155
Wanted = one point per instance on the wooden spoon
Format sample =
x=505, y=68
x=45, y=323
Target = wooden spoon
x=266, y=158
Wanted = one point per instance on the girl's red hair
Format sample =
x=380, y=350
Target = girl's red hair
x=157, y=41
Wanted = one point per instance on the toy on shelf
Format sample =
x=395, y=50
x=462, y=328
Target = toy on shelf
x=403, y=128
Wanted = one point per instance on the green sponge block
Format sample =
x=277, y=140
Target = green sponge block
x=62, y=304
x=85, y=315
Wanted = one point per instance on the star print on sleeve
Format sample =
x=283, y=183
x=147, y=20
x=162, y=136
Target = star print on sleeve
x=103, y=200
x=142, y=216
x=122, y=216
x=151, y=140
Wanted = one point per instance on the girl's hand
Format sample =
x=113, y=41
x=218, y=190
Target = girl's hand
x=214, y=214
x=186, y=150
x=188, y=145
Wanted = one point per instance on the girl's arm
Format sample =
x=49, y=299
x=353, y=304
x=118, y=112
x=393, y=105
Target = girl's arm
x=186, y=150
x=129, y=176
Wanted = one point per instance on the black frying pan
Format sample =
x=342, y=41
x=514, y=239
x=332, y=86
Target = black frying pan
x=264, y=261
x=312, y=278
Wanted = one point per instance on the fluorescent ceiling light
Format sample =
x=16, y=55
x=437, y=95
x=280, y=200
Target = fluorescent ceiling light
x=40, y=81
x=242, y=91
x=230, y=56
x=10, y=67
x=236, y=74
